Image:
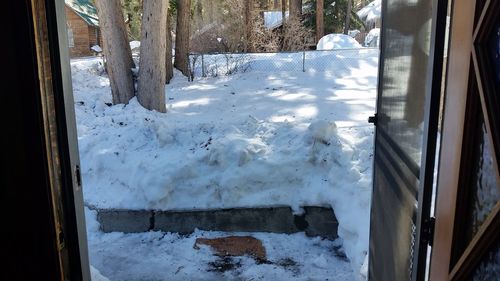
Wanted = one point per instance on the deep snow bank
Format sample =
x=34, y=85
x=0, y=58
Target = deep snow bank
x=337, y=41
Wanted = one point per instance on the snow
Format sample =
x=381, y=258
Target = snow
x=170, y=256
x=96, y=48
x=95, y=275
x=364, y=268
x=372, y=39
x=135, y=45
x=371, y=12
x=258, y=138
x=337, y=41
x=353, y=33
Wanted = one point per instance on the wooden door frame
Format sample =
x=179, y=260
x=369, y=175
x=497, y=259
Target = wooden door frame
x=463, y=75
x=45, y=229
x=460, y=48
x=60, y=125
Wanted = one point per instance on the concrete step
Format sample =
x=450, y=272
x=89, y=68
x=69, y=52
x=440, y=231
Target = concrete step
x=315, y=221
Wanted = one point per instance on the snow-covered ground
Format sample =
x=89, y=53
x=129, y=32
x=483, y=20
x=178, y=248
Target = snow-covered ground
x=259, y=138
x=170, y=256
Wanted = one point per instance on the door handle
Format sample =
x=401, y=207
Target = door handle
x=373, y=119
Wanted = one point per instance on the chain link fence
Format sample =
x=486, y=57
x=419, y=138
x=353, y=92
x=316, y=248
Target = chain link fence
x=213, y=65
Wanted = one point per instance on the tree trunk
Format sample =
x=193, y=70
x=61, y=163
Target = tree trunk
x=211, y=11
x=276, y=5
x=348, y=17
x=116, y=50
x=182, y=36
x=151, y=87
x=248, y=24
x=169, y=67
x=320, y=25
x=283, y=12
x=295, y=9
x=198, y=15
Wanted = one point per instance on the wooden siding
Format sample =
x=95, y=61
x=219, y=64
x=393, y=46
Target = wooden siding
x=84, y=36
x=95, y=37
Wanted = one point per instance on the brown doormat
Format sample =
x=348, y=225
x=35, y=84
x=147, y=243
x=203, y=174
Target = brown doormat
x=234, y=246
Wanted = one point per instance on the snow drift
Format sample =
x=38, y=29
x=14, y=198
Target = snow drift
x=337, y=41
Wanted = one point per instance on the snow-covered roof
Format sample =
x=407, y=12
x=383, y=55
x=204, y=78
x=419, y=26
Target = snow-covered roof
x=372, y=39
x=85, y=9
x=371, y=12
x=337, y=41
x=273, y=19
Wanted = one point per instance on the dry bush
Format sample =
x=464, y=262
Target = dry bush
x=205, y=41
x=232, y=29
x=295, y=35
x=263, y=39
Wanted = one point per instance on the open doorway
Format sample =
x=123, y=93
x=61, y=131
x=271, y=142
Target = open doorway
x=298, y=126
x=48, y=158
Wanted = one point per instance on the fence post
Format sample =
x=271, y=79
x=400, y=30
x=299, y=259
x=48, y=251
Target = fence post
x=303, y=61
x=203, y=74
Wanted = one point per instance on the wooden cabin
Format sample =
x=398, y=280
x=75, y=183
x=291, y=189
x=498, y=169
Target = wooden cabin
x=83, y=27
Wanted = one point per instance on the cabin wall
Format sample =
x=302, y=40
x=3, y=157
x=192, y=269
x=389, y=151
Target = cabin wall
x=78, y=35
x=95, y=37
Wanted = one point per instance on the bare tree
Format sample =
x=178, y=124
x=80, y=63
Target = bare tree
x=295, y=8
x=320, y=24
x=276, y=4
x=116, y=50
x=182, y=36
x=151, y=85
x=283, y=11
x=262, y=38
x=169, y=67
x=211, y=7
x=295, y=35
x=247, y=9
x=348, y=17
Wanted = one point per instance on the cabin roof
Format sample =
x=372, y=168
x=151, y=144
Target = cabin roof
x=85, y=9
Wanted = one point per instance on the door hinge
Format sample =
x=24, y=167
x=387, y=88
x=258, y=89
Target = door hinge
x=373, y=119
x=428, y=230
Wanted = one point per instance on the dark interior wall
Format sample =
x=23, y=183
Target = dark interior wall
x=29, y=245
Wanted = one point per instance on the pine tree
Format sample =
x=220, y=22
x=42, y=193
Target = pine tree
x=295, y=8
x=348, y=17
x=320, y=25
x=116, y=50
x=182, y=36
x=133, y=12
x=169, y=67
x=151, y=84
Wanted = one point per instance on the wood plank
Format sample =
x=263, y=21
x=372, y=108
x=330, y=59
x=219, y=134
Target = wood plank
x=452, y=134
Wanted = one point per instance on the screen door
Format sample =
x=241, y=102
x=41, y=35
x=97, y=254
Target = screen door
x=406, y=125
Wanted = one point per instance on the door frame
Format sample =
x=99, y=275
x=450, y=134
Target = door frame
x=460, y=47
x=462, y=72
x=424, y=223
x=59, y=126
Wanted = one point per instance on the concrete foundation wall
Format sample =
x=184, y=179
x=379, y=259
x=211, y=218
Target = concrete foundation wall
x=316, y=221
